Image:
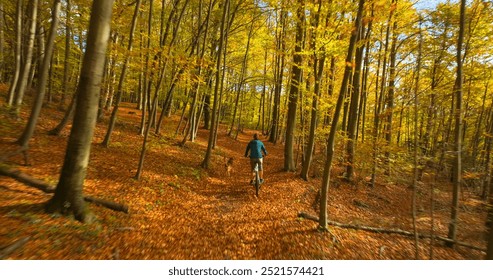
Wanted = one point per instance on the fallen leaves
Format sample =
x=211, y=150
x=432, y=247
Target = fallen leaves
x=180, y=211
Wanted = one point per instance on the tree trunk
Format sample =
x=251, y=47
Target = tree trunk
x=333, y=129
x=24, y=76
x=278, y=76
x=2, y=43
x=294, y=91
x=487, y=162
x=415, y=154
x=41, y=88
x=69, y=114
x=241, y=81
x=208, y=154
x=380, y=93
x=354, y=109
x=193, y=116
x=390, y=95
x=18, y=50
x=154, y=103
x=318, y=68
x=119, y=90
x=68, y=196
x=66, y=66
x=489, y=222
x=457, y=169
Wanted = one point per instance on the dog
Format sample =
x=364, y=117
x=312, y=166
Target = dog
x=228, y=165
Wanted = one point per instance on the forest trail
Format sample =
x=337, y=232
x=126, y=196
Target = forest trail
x=226, y=220
x=179, y=210
x=249, y=226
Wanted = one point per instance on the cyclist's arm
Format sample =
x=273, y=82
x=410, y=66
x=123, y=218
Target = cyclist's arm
x=264, y=150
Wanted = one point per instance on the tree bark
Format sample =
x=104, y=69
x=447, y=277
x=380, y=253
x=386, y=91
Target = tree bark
x=24, y=76
x=208, y=154
x=42, y=82
x=2, y=44
x=457, y=169
x=278, y=76
x=354, y=109
x=333, y=129
x=66, y=66
x=68, y=196
x=18, y=50
x=318, y=68
x=415, y=152
x=294, y=90
x=119, y=90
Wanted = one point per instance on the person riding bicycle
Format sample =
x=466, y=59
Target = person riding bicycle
x=256, y=147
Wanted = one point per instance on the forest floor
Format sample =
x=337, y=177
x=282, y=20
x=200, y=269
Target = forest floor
x=180, y=211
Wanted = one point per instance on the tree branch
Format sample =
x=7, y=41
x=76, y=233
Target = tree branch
x=9, y=249
x=27, y=179
x=47, y=188
x=389, y=231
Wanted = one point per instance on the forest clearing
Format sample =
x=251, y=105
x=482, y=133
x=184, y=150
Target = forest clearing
x=124, y=127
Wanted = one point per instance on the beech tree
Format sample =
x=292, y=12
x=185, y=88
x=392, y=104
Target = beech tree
x=295, y=88
x=457, y=171
x=68, y=198
x=333, y=129
x=41, y=88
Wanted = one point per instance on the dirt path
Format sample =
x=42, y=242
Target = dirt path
x=236, y=224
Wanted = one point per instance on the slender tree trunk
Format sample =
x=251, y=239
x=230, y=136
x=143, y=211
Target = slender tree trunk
x=148, y=71
x=240, y=84
x=69, y=114
x=380, y=93
x=279, y=74
x=354, y=109
x=24, y=76
x=2, y=43
x=41, y=88
x=390, y=95
x=333, y=129
x=68, y=196
x=415, y=155
x=119, y=90
x=457, y=170
x=487, y=162
x=477, y=134
x=66, y=66
x=18, y=53
x=294, y=91
x=318, y=68
x=193, y=116
x=208, y=154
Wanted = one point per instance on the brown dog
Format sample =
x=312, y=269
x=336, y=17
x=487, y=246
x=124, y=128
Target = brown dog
x=229, y=166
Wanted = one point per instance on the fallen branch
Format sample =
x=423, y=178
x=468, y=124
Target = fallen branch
x=27, y=179
x=47, y=188
x=5, y=252
x=389, y=231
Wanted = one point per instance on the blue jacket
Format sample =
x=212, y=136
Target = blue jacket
x=256, y=147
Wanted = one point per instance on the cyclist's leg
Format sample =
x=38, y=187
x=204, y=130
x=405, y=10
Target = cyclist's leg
x=252, y=165
x=261, y=169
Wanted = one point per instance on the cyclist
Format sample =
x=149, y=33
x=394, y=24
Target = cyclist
x=256, y=147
